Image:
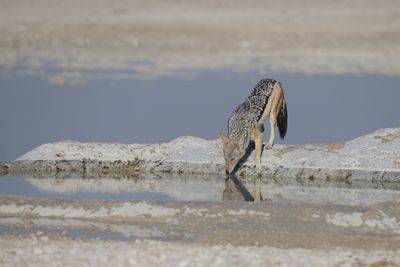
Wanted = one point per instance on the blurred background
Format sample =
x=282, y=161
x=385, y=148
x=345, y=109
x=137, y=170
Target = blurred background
x=150, y=71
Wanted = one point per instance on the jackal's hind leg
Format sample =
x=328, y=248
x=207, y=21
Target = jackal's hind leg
x=272, y=121
x=276, y=104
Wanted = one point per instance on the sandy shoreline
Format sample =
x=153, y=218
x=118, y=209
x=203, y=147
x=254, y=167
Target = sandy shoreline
x=158, y=38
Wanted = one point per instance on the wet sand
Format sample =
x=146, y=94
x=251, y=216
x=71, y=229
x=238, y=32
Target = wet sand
x=41, y=250
x=273, y=233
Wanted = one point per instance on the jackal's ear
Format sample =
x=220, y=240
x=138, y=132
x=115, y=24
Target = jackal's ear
x=223, y=138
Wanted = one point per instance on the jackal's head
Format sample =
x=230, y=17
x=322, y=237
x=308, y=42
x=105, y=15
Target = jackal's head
x=233, y=152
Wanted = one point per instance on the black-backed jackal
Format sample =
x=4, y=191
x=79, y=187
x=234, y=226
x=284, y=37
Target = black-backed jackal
x=247, y=122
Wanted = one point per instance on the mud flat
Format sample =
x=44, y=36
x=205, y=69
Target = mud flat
x=221, y=234
x=374, y=157
x=42, y=250
x=275, y=223
x=157, y=38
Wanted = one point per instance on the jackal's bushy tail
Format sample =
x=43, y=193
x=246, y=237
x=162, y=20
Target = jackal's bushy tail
x=283, y=120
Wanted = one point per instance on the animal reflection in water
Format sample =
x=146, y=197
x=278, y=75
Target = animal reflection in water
x=235, y=190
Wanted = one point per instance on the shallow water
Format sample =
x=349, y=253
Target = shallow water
x=66, y=189
x=204, y=189
x=69, y=232
x=322, y=108
x=185, y=191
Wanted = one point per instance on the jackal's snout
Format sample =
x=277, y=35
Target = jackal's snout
x=232, y=153
x=229, y=166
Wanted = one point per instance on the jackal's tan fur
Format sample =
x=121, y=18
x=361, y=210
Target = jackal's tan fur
x=247, y=122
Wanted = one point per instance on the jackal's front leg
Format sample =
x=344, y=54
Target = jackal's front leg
x=258, y=138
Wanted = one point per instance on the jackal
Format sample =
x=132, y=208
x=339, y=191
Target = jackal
x=247, y=123
x=235, y=190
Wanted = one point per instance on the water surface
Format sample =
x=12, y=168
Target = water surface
x=170, y=188
x=322, y=108
x=211, y=188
